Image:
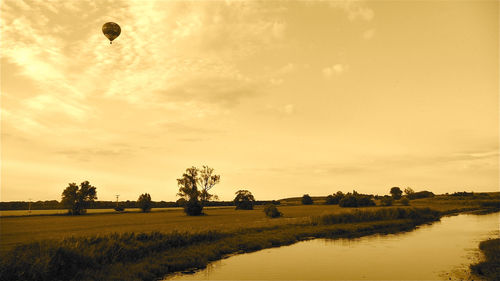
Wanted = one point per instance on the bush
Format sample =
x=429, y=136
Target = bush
x=307, y=200
x=144, y=202
x=334, y=198
x=356, y=200
x=420, y=194
x=417, y=214
x=119, y=209
x=271, y=211
x=386, y=201
x=193, y=208
x=405, y=201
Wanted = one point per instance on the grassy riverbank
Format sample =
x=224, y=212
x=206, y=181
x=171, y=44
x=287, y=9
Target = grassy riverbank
x=490, y=267
x=133, y=256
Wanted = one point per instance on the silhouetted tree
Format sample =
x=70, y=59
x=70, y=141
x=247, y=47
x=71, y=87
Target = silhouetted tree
x=396, y=193
x=144, y=202
x=77, y=200
x=409, y=191
x=334, y=198
x=244, y=200
x=271, y=211
x=194, y=186
x=307, y=200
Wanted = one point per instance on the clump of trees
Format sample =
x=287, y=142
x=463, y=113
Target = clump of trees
x=307, y=200
x=396, y=193
x=78, y=199
x=194, y=187
x=144, y=202
x=244, y=200
x=272, y=211
x=420, y=194
x=386, y=201
x=334, y=198
x=355, y=199
x=404, y=201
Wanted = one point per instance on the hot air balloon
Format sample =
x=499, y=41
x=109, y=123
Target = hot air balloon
x=111, y=30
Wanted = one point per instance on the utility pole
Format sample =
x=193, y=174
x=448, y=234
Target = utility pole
x=117, y=195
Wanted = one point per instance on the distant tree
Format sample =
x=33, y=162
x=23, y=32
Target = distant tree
x=180, y=202
x=144, y=202
x=386, y=201
x=396, y=193
x=356, y=200
x=194, y=186
x=271, y=211
x=334, y=198
x=409, y=191
x=244, y=200
x=307, y=200
x=420, y=194
x=330, y=200
x=349, y=200
x=405, y=201
x=77, y=200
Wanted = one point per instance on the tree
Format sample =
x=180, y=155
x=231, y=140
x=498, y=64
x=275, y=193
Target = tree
x=77, y=200
x=244, y=200
x=207, y=181
x=307, y=200
x=386, y=201
x=144, y=202
x=194, y=186
x=334, y=198
x=409, y=191
x=396, y=193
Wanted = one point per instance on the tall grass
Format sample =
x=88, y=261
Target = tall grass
x=63, y=260
x=490, y=268
x=417, y=214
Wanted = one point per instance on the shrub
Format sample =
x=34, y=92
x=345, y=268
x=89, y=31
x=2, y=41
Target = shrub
x=193, y=208
x=420, y=194
x=271, y=211
x=356, y=200
x=307, y=200
x=334, y=198
x=405, y=201
x=144, y=202
x=417, y=214
x=386, y=201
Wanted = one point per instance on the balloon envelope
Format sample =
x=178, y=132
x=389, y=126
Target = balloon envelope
x=111, y=30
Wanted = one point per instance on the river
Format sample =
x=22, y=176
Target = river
x=439, y=251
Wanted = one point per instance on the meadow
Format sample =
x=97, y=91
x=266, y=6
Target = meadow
x=149, y=245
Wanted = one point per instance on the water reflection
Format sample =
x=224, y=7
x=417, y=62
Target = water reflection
x=439, y=251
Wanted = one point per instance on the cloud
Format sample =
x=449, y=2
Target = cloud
x=368, y=34
x=354, y=9
x=335, y=69
x=286, y=109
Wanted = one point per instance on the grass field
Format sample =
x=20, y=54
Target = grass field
x=19, y=230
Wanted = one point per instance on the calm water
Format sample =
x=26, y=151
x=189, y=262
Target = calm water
x=439, y=251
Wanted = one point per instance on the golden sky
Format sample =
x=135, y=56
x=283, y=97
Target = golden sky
x=281, y=97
